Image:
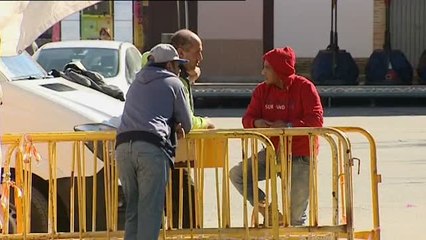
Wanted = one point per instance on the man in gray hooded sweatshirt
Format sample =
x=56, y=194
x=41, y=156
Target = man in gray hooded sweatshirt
x=155, y=105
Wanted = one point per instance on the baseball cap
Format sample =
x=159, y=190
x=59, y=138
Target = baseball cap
x=162, y=53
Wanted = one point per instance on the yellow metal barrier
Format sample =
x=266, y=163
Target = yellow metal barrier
x=375, y=179
x=201, y=151
x=344, y=229
x=342, y=164
x=198, y=147
x=338, y=229
x=21, y=152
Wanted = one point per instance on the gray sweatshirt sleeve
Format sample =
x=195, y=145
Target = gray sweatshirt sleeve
x=182, y=110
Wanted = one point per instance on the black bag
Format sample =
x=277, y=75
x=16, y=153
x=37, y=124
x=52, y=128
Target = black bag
x=77, y=73
x=421, y=68
x=98, y=82
x=334, y=66
x=388, y=68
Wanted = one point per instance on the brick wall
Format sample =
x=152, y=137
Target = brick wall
x=379, y=24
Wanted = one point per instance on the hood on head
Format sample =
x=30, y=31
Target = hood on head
x=283, y=61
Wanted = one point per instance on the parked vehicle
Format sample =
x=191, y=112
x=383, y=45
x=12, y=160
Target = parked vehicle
x=117, y=62
x=33, y=101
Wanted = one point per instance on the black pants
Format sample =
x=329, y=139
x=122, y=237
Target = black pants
x=175, y=198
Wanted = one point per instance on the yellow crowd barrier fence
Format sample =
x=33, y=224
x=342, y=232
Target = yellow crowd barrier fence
x=93, y=206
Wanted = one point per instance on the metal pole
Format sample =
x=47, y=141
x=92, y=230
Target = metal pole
x=186, y=14
x=178, y=14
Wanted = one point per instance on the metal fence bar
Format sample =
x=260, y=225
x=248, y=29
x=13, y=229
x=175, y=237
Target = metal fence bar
x=374, y=175
x=250, y=138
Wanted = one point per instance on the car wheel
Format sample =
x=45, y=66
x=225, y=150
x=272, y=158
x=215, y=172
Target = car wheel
x=13, y=228
x=39, y=217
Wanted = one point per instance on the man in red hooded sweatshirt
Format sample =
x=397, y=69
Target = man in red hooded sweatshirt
x=284, y=99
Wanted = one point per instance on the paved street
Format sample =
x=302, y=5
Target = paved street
x=400, y=134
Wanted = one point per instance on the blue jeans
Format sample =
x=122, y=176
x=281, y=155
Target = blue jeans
x=143, y=170
x=299, y=184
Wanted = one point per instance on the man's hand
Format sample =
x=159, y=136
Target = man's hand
x=193, y=75
x=180, y=133
x=261, y=123
x=210, y=124
x=279, y=124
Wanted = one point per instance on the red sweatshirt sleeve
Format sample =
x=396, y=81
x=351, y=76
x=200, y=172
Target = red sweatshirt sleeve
x=312, y=108
x=254, y=109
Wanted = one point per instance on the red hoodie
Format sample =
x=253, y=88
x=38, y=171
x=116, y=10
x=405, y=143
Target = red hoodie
x=298, y=103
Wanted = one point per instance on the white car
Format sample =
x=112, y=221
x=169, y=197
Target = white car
x=117, y=62
x=33, y=101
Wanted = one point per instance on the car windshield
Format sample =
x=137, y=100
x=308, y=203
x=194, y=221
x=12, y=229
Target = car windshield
x=102, y=60
x=21, y=67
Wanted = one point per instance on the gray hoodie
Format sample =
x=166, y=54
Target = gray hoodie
x=155, y=98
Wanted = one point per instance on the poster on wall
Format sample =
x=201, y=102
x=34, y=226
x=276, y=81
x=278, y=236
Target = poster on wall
x=93, y=18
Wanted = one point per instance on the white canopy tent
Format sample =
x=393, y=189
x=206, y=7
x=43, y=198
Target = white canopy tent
x=21, y=22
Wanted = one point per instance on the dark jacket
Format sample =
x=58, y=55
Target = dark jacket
x=155, y=102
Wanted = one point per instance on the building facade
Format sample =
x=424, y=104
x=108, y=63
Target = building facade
x=237, y=33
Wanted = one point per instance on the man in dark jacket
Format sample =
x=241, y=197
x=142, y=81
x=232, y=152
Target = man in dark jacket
x=155, y=104
x=189, y=46
x=284, y=99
